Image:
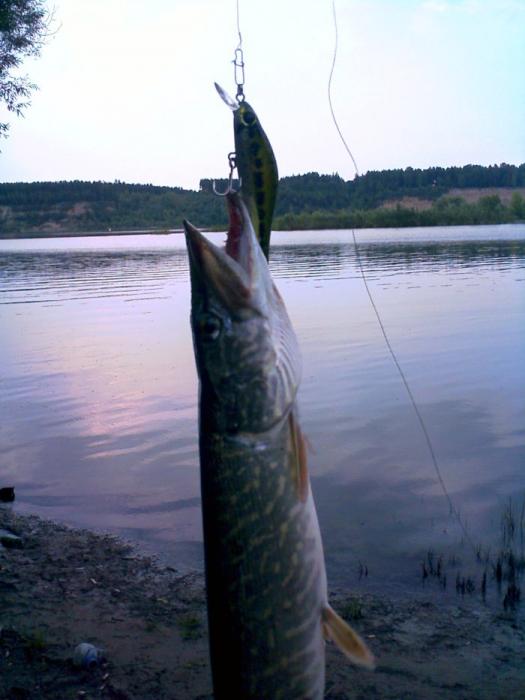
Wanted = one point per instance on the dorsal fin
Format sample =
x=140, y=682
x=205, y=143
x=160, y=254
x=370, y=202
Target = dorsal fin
x=350, y=643
x=299, y=458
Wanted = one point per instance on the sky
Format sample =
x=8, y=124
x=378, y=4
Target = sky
x=126, y=87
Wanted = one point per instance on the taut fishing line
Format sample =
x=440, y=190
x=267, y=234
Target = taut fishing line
x=239, y=45
x=238, y=61
x=413, y=402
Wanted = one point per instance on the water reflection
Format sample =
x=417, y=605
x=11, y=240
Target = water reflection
x=98, y=409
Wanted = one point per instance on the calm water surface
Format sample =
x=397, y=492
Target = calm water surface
x=98, y=412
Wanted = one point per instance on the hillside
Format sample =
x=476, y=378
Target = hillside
x=468, y=194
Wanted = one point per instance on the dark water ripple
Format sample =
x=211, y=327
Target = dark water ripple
x=76, y=275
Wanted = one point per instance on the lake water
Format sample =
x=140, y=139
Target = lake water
x=98, y=414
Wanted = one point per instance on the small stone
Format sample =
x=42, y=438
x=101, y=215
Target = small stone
x=7, y=494
x=10, y=540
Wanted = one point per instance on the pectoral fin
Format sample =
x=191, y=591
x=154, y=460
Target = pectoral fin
x=350, y=643
x=299, y=458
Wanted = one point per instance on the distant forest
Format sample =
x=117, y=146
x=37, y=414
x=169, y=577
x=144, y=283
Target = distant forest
x=304, y=201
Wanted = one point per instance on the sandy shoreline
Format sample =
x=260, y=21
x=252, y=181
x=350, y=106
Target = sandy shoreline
x=64, y=586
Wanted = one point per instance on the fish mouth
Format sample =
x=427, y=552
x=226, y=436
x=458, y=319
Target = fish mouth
x=232, y=271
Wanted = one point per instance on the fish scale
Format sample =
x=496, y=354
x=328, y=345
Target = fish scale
x=247, y=560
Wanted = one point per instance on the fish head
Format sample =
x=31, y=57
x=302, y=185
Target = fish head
x=245, y=347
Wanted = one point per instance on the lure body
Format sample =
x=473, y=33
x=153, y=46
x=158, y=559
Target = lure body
x=257, y=170
x=256, y=167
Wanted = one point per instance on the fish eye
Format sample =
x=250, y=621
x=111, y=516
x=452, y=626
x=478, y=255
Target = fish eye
x=210, y=327
x=247, y=117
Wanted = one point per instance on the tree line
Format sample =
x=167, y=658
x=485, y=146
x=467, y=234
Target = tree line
x=445, y=211
x=304, y=201
x=311, y=192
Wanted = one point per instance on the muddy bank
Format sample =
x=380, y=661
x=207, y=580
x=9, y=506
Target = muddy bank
x=60, y=587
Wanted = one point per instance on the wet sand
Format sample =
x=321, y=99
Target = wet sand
x=60, y=587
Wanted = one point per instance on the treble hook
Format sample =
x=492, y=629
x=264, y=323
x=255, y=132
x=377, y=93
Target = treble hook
x=230, y=189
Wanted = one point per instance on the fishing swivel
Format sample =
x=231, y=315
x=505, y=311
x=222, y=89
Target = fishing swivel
x=238, y=73
x=230, y=188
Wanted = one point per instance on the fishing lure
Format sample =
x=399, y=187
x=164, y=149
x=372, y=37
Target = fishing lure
x=256, y=166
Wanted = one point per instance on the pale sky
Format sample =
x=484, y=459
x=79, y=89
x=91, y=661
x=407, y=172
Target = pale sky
x=126, y=87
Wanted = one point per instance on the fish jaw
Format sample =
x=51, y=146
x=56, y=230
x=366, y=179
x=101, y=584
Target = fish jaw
x=238, y=274
x=214, y=273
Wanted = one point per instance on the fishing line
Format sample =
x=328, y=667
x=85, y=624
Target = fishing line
x=238, y=76
x=411, y=397
x=330, y=94
x=239, y=45
x=238, y=61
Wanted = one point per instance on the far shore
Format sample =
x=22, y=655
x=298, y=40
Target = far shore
x=44, y=235
x=81, y=234
x=61, y=586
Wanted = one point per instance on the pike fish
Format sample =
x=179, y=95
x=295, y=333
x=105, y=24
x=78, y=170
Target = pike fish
x=268, y=609
x=256, y=166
